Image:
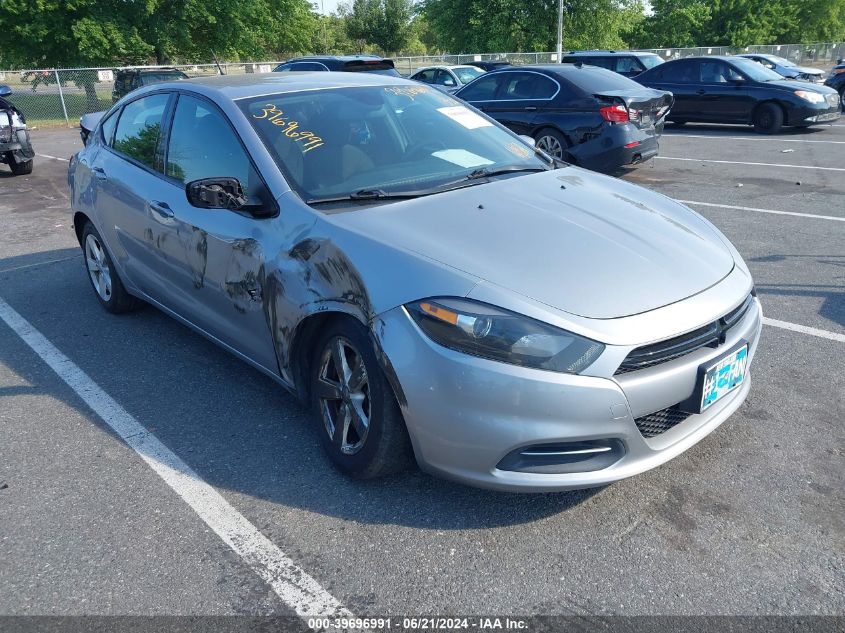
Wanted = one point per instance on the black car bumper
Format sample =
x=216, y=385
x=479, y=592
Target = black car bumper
x=815, y=113
x=618, y=146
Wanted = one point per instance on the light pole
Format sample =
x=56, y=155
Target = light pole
x=559, y=31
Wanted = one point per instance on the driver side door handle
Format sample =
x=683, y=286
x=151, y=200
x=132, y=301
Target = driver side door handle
x=99, y=173
x=162, y=208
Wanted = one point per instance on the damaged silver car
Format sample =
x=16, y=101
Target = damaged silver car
x=15, y=147
x=434, y=288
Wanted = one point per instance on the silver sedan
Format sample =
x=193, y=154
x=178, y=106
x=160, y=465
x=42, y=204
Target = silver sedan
x=434, y=288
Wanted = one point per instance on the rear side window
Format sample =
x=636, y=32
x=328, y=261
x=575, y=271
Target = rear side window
x=203, y=145
x=139, y=130
x=593, y=80
x=483, y=89
x=522, y=85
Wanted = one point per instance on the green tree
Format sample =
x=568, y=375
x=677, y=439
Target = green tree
x=463, y=26
x=386, y=24
x=673, y=23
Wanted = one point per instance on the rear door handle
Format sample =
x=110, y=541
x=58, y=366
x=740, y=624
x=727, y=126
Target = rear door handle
x=530, y=108
x=99, y=172
x=162, y=208
x=701, y=92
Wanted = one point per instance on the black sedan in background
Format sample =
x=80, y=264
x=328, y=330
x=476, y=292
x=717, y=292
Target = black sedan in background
x=727, y=89
x=836, y=80
x=584, y=115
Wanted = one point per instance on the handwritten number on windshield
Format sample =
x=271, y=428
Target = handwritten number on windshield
x=289, y=127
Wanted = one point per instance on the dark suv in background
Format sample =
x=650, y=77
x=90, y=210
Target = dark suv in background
x=344, y=63
x=628, y=63
x=125, y=81
x=836, y=80
x=581, y=114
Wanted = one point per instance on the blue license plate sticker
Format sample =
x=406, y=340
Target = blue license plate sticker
x=724, y=376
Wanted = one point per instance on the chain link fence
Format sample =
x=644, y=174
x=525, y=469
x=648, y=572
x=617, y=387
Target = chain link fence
x=62, y=96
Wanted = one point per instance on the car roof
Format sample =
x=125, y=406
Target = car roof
x=610, y=53
x=257, y=84
x=340, y=58
x=557, y=69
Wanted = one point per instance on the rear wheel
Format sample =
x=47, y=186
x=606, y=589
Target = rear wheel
x=359, y=421
x=20, y=168
x=553, y=143
x=768, y=118
x=101, y=273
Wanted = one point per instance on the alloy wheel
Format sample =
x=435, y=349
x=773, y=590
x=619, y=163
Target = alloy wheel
x=344, y=395
x=550, y=145
x=98, y=267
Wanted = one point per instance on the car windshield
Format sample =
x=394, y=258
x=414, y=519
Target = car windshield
x=466, y=75
x=381, y=140
x=782, y=61
x=755, y=71
x=650, y=61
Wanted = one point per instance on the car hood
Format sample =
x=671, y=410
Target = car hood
x=583, y=243
x=796, y=84
x=805, y=70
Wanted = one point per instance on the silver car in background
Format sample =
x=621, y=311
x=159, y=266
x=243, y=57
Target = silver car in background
x=429, y=284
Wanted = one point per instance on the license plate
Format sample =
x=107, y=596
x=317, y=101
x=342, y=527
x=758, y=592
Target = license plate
x=723, y=376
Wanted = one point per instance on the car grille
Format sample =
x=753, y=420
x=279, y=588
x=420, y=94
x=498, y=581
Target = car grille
x=711, y=335
x=661, y=421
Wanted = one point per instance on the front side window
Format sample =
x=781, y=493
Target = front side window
x=426, y=76
x=443, y=78
x=718, y=72
x=139, y=130
x=394, y=139
x=627, y=65
x=203, y=145
x=650, y=61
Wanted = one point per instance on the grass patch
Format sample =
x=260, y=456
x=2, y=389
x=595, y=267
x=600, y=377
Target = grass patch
x=46, y=108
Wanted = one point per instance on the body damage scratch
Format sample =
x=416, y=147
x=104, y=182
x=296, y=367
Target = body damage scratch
x=245, y=275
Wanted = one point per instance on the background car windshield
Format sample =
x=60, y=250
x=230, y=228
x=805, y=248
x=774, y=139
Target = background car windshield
x=466, y=75
x=396, y=138
x=782, y=61
x=650, y=61
x=754, y=70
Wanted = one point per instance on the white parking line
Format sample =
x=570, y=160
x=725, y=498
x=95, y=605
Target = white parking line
x=786, y=325
x=738, y=208
x=750, y=138
x=295, y=587
x=737, y=162
x=25, y=266
x=65, y=160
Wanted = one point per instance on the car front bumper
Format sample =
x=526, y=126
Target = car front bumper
x=816, y=113
x=466, y=414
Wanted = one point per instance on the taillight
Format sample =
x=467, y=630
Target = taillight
x=614, y=114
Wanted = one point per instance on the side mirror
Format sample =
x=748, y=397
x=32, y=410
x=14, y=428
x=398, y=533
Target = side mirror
x=736, y=81
x=216, y=193
x=5, y=91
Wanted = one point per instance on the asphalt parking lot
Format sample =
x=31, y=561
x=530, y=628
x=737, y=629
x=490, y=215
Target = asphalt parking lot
x=750, y=521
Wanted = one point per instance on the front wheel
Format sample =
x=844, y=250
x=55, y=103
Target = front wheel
x=20, y=168
x=359, y=421
x=768, y=119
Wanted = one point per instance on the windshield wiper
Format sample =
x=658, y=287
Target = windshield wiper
x=368, y=194
x=488, y=173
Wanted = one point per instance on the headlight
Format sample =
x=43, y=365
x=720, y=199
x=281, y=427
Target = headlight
x=812, y=97
x=482, y=330
x=5, y=128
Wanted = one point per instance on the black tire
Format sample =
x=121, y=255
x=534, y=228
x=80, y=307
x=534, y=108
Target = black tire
x=20, y=168
x=384, y=447
x=116, y=300
x=550, y=138
x=768, y=118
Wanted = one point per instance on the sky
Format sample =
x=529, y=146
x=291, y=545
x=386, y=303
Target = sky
x=330, y=5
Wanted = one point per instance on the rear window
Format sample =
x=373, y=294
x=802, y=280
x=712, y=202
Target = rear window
x=600, y=80
x=383, y=67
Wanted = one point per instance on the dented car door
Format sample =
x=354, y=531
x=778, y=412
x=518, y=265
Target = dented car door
x=213, y=259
